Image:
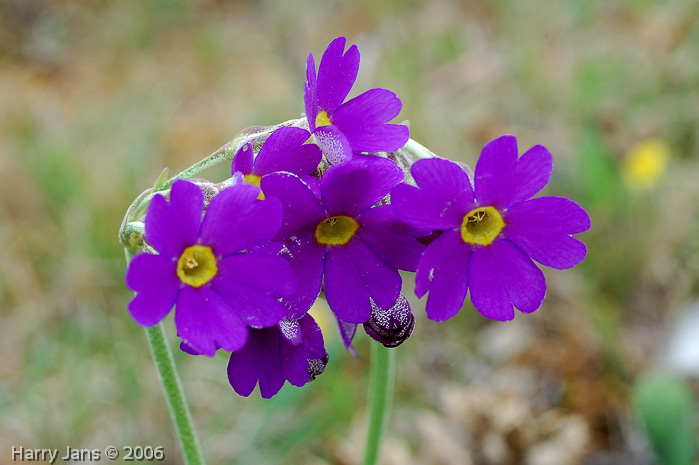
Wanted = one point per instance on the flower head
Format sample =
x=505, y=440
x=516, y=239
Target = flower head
x=491, y=232
x=284, y=150
x=344, y=241
x=358, y=125
x=206, y=267
x=293, y=350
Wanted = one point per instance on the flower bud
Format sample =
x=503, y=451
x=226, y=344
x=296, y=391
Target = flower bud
x=393, y=325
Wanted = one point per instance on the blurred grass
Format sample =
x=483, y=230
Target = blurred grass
x=96, y=98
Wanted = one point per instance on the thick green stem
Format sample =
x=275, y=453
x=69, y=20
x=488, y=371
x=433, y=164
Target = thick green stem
x=174, y=394
x=383, y=370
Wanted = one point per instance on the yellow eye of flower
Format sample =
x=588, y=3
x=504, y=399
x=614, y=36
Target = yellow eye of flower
x=197, y=265
x=481, y=226
x=322, y=119
x=254, y=180
x=336, y=230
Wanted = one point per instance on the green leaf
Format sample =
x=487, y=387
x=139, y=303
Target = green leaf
x=665, y=407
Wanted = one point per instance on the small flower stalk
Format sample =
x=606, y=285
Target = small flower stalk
x=340, y=203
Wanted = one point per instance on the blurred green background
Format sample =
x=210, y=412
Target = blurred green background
x=97, y=97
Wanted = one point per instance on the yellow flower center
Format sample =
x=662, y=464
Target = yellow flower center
x=336, y=230
x=322, y=119
x=481, y=226
x=197, y=265
x=254, y=180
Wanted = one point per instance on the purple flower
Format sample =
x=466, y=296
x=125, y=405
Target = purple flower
x=206, y=269
x=357, y=247
x=284, y=150
x=358, y=125
x=491, y=231
x=291, y=350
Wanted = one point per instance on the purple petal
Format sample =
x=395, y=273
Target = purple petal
x=173, y=226
x=257, y=360
x=552, y=214
x=306, y=258
x=291, y=331
x=249, y=284
x=541, y=227
x=270, y=358
x=391, y=239
x=310, y=93
x=351, y=188
x=347, y=333
x=501, y=180
x=336, y=74
x=502, y=275
x=155, y=279
x=363, y=121
x=334, y=144
x=444, y=271
x=285, y=150
x=443, y=198
x=302, y=210
x=261, y=271
x=205, y=322
x=353, y=274
x=242, y=160
x=236, y=220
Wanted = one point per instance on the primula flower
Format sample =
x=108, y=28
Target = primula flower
x=491, y=231
x=293, y=350
x=205, y=267
x=356, y=246
x=358, y=125
x=284, y=150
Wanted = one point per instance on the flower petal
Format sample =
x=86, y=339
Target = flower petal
x=353, y=274
x=541, y=227
x=336, y=74
x=242, y=160
x=302, y=210
x=502, y=275
x=334, y=144
x=443, y=198
x=391, y=239
x=155, y=279
x=173, y=226
x=501, y=180
x=205, y=322
x=310, y=98
x=552, y=214
x=236, y=220
x=363, y=121
x=351, y=188
x=444, y=271
x=250, y=284
x=255, y=361
x=285, y=150
x=306, y=258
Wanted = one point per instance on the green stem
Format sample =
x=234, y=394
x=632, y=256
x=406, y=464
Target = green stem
x=174, y=394
x=383, y=370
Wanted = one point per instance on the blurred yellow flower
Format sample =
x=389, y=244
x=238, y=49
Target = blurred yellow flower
x=645, y=163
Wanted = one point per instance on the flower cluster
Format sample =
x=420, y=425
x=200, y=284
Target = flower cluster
x=336, y=205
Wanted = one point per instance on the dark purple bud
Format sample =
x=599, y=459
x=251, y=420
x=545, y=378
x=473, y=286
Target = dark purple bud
x=393, y=325
x=316, y=366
